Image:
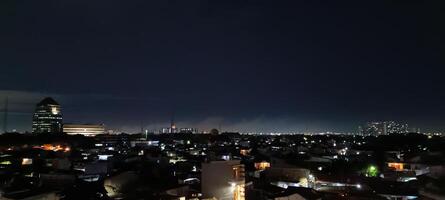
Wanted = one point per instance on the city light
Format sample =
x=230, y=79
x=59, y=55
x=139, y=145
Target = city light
x=222, y=100
x=372, y=171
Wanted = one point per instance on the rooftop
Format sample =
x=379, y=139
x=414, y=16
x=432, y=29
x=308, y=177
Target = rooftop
x=47, y=101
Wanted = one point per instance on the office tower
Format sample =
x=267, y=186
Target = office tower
x=47, y=117
x=384, y=128
x=5, y=116
x=173, y=128
x=394, y=127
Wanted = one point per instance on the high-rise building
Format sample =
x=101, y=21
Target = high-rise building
x=394, y=127
x=223, y=180
x=383, y=128
x=47, y=117
x=374, y=128
x=5, y=116
x=188, y=130
x=169, y=130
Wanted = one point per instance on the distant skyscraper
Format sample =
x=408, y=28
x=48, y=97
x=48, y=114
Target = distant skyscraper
x=5, y=117
x=383, y=128
x=47, y=117
x=374, y=128
x=393, y=127
x=173, y=128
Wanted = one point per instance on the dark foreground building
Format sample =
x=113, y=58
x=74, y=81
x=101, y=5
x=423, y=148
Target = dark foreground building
x=47, y=117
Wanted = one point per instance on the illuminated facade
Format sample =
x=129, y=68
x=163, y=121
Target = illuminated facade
x=188, y=130
x=84, y=129
x=285, y=177
x=393, y=127
x=245, y=152
x=383, y=128
x=223, y=180
x=174, y=129
x=171, y=129
x=396, y=166
x=47, y=117
x=262, y=165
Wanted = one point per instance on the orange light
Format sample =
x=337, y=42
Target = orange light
x=262, y=165
x=244, y=152
x=50, y=147
x=396, y=166
x=239, y=193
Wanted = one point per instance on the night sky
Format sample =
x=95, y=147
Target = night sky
x=247, y=65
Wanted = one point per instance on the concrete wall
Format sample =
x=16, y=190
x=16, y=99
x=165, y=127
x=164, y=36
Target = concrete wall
x=216, y=179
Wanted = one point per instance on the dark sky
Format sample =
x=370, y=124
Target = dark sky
x=249, y=65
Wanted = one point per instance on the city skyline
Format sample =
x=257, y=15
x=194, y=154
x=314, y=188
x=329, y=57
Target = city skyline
x=248, y=66
x=207, y=125
x=222, y=100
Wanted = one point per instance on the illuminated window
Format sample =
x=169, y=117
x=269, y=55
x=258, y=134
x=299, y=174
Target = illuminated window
x=396, y=166
x=6, y=162
x=262, y=165
x=26, y=161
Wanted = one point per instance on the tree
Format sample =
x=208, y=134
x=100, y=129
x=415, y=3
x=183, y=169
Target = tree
x=214, y=131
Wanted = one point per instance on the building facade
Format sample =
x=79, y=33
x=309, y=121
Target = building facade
x=223, y=180
x=84, y=129
x=383, y=128
x=188, y=130
x=47, y=117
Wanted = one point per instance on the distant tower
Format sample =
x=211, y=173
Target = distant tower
x=47, y=117
x=5, y=117
x=172, y=124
